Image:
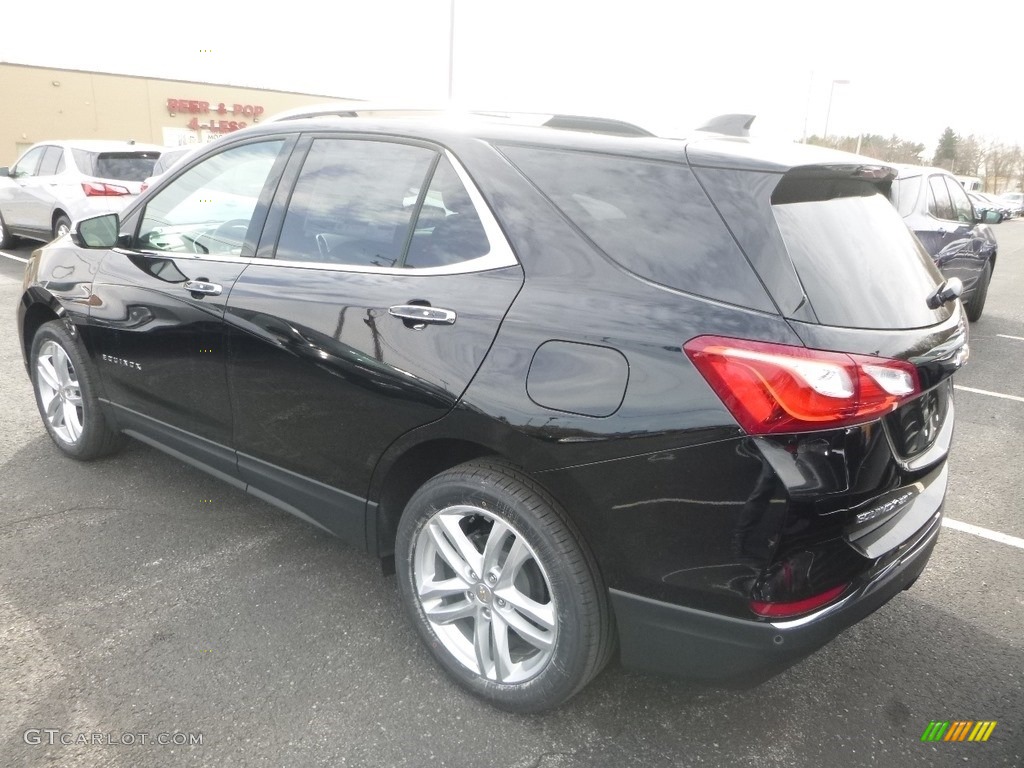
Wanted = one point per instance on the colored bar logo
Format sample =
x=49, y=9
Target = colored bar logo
x=958, y=730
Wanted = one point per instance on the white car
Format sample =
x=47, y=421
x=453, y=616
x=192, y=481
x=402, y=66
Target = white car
x=1015, y=200
x=57, y=182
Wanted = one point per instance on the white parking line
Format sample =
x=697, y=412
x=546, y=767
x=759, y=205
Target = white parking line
x=990, y=394
x=15, y=258
x=1008, y=336
x=985, y=533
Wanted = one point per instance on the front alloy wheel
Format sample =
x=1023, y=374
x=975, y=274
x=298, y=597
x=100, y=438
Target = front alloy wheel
x=60, y=397
x=501, y=587
x=66, y=387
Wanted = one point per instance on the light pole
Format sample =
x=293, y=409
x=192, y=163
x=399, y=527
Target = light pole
x=451, y=49
x=831, y=92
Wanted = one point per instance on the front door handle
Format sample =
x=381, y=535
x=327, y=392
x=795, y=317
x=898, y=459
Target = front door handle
x=203, y=287
x=419, y=315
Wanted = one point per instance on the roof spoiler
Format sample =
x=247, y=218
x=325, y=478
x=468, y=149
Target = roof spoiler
x=730, y=125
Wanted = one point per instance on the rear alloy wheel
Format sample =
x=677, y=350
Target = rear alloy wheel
x=61, y=226
x=65, y=388
x=976, y=305
x=498, y=585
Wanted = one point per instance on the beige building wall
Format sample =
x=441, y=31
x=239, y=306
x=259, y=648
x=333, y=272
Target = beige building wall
x=44, y=104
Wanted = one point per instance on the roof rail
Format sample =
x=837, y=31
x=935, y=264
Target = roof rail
x=730, y=125
x=563, y=122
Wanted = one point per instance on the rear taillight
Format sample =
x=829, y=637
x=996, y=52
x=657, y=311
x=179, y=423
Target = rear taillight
x=100, y=189
x=796, y=607
x=770, y=388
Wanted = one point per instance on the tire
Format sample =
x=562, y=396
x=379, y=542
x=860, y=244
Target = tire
x=66, y=389
x=6, y=238
x=61, y=226
x=977, y=303
x=502, y=591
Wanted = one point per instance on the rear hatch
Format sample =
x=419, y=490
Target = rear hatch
x=847, y=274
x=122, y=168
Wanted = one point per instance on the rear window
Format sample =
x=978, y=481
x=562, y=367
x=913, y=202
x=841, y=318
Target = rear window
x=859, y=264
x=121, y=166
x=650, y=217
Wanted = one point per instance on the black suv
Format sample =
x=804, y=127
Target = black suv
x=583, y=391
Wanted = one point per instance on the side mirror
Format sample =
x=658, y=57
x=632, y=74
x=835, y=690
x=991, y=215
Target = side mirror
x=96, y=232
x=946, y=292
x=991, y=217
x=5, y=172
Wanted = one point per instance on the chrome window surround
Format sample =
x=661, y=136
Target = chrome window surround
x=500, y=254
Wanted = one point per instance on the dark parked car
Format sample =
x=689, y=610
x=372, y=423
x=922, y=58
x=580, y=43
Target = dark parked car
x=957, y=237
x=690, y=400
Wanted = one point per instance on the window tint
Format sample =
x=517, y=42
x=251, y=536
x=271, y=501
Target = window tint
x=209, y=208
x=939, y=205
x=28, y=164
x=651, y=217
x=448, y=229
x=353, y=203
x=962, y=208
x=51, y=159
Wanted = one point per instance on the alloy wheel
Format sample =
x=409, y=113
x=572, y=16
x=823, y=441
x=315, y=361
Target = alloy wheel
x=485, y=594
x=59, y=392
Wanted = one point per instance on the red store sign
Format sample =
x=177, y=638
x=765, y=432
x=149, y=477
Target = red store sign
x=197, y=107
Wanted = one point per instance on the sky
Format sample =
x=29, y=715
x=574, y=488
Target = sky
x=910, y=67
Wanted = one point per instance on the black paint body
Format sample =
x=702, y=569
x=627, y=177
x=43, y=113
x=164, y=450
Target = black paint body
x=297, y=384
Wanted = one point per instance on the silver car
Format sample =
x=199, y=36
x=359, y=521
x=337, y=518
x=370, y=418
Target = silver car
x=57, y=182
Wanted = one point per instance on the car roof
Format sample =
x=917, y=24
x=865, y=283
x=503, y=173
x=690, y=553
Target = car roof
x=101, y=145
x=568, y=132
x=905, y=171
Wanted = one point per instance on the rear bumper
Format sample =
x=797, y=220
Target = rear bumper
x=669, y=639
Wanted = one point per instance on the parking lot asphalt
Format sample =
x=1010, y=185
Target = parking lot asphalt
x=141, y=596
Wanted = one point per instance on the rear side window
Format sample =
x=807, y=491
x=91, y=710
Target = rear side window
x=650, y=217
x=859, y=264
x=120, y=166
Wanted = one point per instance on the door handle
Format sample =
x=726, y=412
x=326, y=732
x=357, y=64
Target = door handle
x=420, y=315
x=203, y=287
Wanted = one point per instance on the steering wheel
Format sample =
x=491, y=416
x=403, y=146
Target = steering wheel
x=227, y=236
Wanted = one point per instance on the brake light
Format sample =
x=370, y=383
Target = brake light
x=796, y=607
x=771, y=388
x=100, y=189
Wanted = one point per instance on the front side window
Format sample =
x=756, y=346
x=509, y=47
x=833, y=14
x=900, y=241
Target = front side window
x=209, y=208
x=29, y=163
x=939, y=205
x=963, y=211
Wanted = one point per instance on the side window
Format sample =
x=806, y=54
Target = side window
x=29, y=163
x=354, y=202
x=51, y=159
x=939, y=205
x=448, y=228
x=962, y=208
x=209, y=208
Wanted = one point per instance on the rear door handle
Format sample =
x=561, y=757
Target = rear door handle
x=203, y=287
x=421, y=315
